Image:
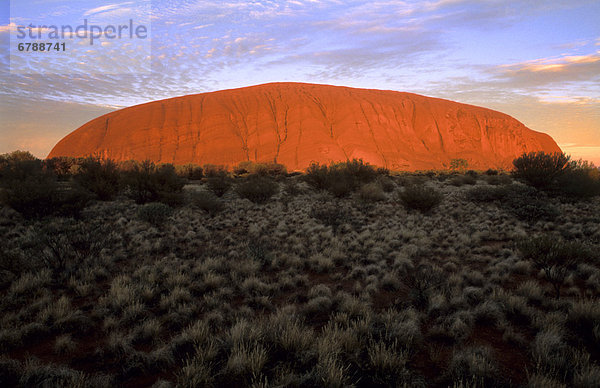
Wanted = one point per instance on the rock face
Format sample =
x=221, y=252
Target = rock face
x=296, y=124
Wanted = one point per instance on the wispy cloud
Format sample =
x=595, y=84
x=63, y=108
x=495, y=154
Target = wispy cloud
x=550, y=72
x=105, y=8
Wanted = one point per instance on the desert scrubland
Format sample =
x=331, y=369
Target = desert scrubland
x=340, y=276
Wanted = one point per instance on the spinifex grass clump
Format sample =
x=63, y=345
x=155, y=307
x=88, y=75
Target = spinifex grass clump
x=331, y=214
x=155, y=213
x=372, y=192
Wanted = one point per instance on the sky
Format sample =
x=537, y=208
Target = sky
x=538, y=61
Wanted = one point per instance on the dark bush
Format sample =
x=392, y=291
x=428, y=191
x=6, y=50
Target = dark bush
x=190, y=171
x=387, y=184
x=101, y=177
x=61, y=166
x=528, y=204
x=155, y=213
x=15, y=157
x=554, y=256
x=33, y=197
x=487, y=193
x=460, y=180
x=257, y=188
x=270, y=169
x=71, y=201
x=580, y=182
x=421, y=282
x=317, y=176
x=340, y=184
x=63, y=246
x=206, y=201
x=33, y=191
x=291, y=188
x=341, y=178
x=491, y=172
x=539, y=169
x=219, y=184
x=257, y=250
x=148, y=183
x=360, y=171
x=420, y=197
x=497, y=180
x=211, y=170
x=331, y=214
x=372, y=192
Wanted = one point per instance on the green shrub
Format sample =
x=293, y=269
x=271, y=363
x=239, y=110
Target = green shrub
x=257, y=188
x=148, y=183
x=420, y=197
x=101, y=177
x=539, y=169
x=155, y=213
x=206, y=201
x=491, y=172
